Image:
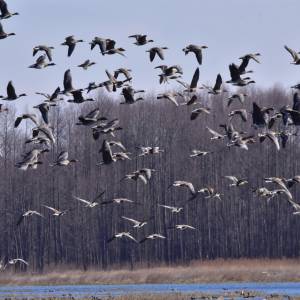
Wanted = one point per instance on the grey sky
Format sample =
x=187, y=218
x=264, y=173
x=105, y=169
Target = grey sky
x=229, y=28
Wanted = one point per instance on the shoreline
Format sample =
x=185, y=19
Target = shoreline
x=213, y=271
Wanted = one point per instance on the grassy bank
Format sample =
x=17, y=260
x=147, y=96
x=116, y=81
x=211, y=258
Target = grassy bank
x=241, y=270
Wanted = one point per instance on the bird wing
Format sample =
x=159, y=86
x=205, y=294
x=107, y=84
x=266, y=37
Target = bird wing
x=3, y=8
x=292, y=52
x=71, y=49
x=214, y=133
x=51, y=208
x=11, y=93
x=21, y=260
x=63, y=155
x=68, y=81
x=218, y=83
x=198, y=54
x=18, y=121
x=195, y=79
x=119, y=144
x=82, y=200
x=152, y=55
x=274, y=139
x=48, y=53
x=107, y=153
x=232, y=178
x=172, y=99
x=131, y=220
x=160, y=53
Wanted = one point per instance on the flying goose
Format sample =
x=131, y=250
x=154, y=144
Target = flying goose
x=124, y=71
x=46, y=130
x=169, y=96
x=198, y=153
x=28, y=214
x=115, y=143
x=216, y=90
x=128, y=93
x=91, y=118
x=11, y=93
x=71, y=42
x=276, y=180
x=272, y=136
x=31, y=159
x=3, y=34
x=121, y=155
x=68, y=86
x=56, y=212
x=44, y=110
x=122, y=235
x=18, y=260
x=86, y=202
x=136, y=224
x=159, y=51
x=172, y=72
x=196, y=112
x=260, y=116
x=32, y=117
x=252, y=56
x=78, y=98
x=136, y=176
x=242, y=142
x=153, y=236
x=53, y=98
x=141, y=39
x=63, y=159
x=236, y=97
x=173, y=209
x=41, y=63
x=185, y=184
x=107, y=155
x=191, y=88
x=215, y=135
x=106, y=128
x=86, y=64
x=103, y=43
x=210, y=192
x=236, y=78
x=117, y=201
x=294, y=54
x=150, y=150
x=46, y=49
x=291, y=181
x=197, y=50
x=239, y=112
x=182, y=227
x=235, y=181
x=190, y=101
x=115, y=51
x=5, y=13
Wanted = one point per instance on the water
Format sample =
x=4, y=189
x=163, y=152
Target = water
x=77, y=291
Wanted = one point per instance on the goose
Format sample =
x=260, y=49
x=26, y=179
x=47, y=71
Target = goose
x=11, y=93
x=136, y=176
x=71, y=42
x=41, y=63
x=31, y=159
x=185, y=184
x=31, y=117
x=14, y=261
x=191, y=101
x=198, y=153
x=128, y=93
x=236, y=97
x=44, y=110
x=191, y=88
x=3, y=34
x=147, y=172
x=5, y=13
x=236, y=78
x=173, y=209
x=170, y=96
x=104, y=44
x=46, y=49
x=252, y=56
x=216, y=90
x=141, y=39
x=215, y=134
x=149, y=150
x=272, y=136
x=136, y=224
x=115, y=143
x=53, y=98
x=92, y=86
x=91, y=118
x=264, y=192
x=291, y=181
x=39, y=140
x=115, y=51
x=124, y=71
x=239, y=112
x=78, y=98
x=68, y=86
x=196, y=112
x=122, y=235
x=27, y=214
x=157, y=51
x=63, y=159
x=235, y=181
x=182, y=227
x=260, y=116
x=117, y=201
x=56, y=212
x=276, y=180
x=172, y=72
x=294, y=54
x=296, y=207
x=153, y=236
x=197, y=50
x=107, y=156
x=210, y=192
x=46, y=130
x=244, y=82
x=296, y=86
x=86, y=202
x=242, y=142
x=86, y=64
x=108, y=128
x=121, y=156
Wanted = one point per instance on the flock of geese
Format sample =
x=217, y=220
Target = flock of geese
x=263, y=120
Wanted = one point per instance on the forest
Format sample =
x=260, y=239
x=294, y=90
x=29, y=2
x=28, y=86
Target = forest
x=241, y=224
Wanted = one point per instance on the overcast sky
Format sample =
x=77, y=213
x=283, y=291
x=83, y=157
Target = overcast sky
x=229, y=28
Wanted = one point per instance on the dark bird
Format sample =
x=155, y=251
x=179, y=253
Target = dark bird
x=5, y=13
x=159, y=51
x=11, y=93
x=71, y=42
x=46, y=49
x=141, y=39
x=197, y=50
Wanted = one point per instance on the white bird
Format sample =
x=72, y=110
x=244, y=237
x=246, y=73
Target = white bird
x=16, y=260
x=86, y=202
x=136, y=224
x=152, y=237
x=173, y=209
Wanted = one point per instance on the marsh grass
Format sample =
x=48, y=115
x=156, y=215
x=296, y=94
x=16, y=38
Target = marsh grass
x=241, y=270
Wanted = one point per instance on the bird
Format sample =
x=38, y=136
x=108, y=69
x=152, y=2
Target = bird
x=46, y=130
x=122, y=235
x=141, y=39
x=271, y=135
x=197, y=50
x=5, y=13
x=260, y=116
x=157, y=51
x=56, y=212
x=87, y=203
x=136, y=224
x=63, y=159
x=68, y=86
x=31, y=117
x=78, y=97
x=27, y=214
x=41, y=63
x=196, y=112
x=235, y=181
x=186, y=184
x=103, y=43
x=115, y=51
x=294, y=54
x=44, y=110
x=14, y=261
x=31, y=159
x=107, y=155
x=44, y=48
x=236, y=97
x=153, y=236
x=149, y=150
x=124, y=71
x=215, y=134
x=182, y=227
x=11, y=93
x=128, y=93
x=197, y=153
x=173, y=209
x=239, y=112
x=3, y=34
x=71, y=42
x=52, y=99
x=117, y=201
x=252, y=56
x=216, y=90
x=171, y=96
x=136, y=176
x=191, y=88
x=210, y=192
x=86, y=64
